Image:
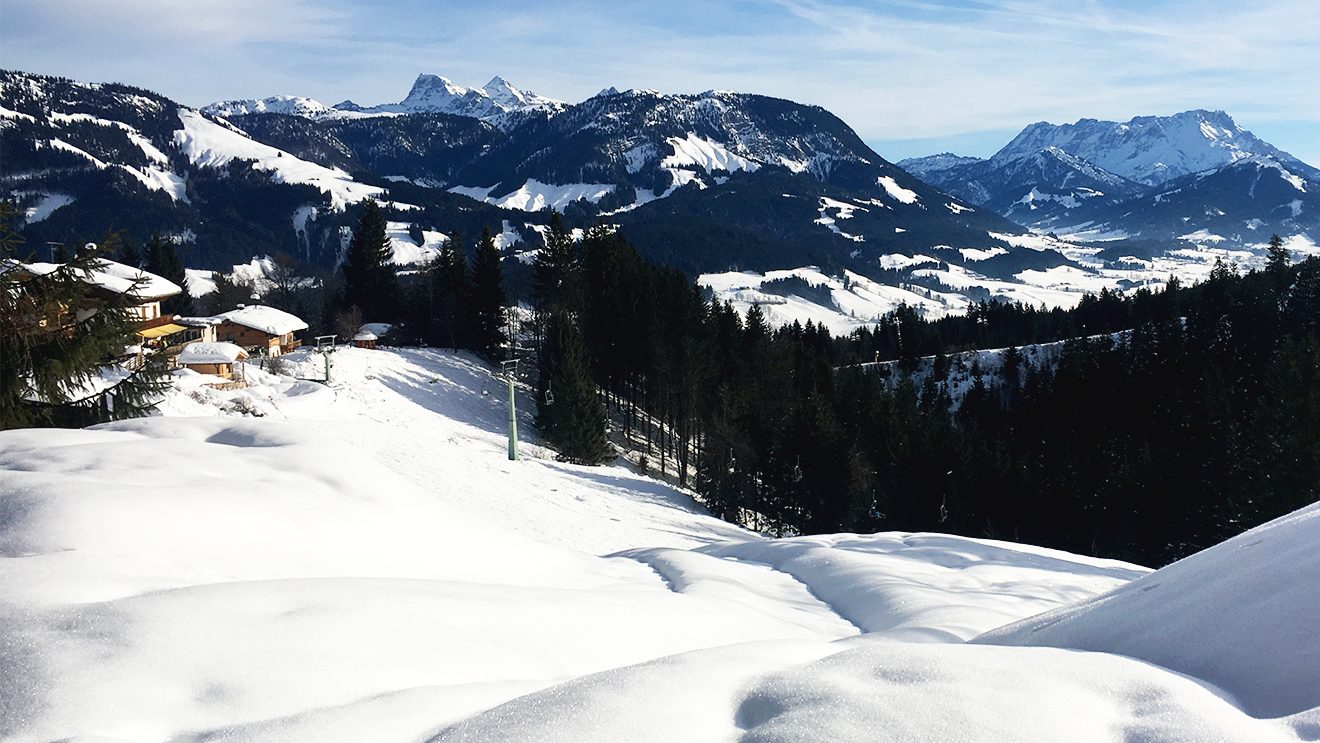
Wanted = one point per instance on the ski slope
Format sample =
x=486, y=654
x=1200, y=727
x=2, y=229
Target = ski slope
x=360, y=561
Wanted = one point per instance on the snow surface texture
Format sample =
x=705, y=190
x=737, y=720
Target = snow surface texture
x=363, y=563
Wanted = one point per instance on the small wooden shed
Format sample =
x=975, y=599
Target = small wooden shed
x=215, y=359
x=364, y=339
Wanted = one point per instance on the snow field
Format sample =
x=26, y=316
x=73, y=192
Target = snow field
x=362, y=562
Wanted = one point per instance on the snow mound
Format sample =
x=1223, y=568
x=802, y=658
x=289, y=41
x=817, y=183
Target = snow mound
x=865, y=690
x=931, y=587
x=1240, y=615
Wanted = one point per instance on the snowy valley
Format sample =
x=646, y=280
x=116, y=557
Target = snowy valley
x=360, y=561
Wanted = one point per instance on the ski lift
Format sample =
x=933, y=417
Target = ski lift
x=797, y=470
x=944, y=510
x=549, y=395
x=733, y=463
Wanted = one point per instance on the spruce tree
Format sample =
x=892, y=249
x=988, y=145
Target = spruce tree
x=486, y=307
x=451, y=290
x=369, y=280
x=57, y=334
x=1276, y=256
x=569, y=411
x=555, y=274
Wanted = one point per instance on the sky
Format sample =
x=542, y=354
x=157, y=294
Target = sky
x=912, y=77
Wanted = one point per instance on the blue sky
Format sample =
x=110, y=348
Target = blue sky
x=911, y=76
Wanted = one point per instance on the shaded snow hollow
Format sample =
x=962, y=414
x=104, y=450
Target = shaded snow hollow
x=363, y=563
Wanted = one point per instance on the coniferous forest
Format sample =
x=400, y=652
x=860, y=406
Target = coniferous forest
x=1164, y=422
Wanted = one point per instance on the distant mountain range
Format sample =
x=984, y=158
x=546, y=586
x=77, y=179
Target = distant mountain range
x=1193, y=177
x=498, y=101
x=711, y=183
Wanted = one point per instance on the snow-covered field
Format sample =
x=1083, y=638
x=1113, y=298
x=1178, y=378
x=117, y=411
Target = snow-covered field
x=360, y=561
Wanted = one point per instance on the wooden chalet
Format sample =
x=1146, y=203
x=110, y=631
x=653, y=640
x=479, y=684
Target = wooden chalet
x=260, y=329
x=109, y=280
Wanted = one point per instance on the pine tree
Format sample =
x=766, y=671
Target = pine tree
x=369, y=280
x=555, y=273
x=1276, y=256
x=57, y=333
x=451, y=291
x=569, y=411
x=486, y=307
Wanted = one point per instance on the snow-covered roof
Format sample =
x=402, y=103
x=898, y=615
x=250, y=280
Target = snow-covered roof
x=197, y=322
x=120, y=278
x=363, y=335
x=112, y=276
x=376, y=328
x=211, y=353
x=266, y=319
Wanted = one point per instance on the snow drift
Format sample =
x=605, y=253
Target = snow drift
x=1242, y=615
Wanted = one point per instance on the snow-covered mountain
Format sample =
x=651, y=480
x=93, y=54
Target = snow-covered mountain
x=923, y=166
x=1147, y=149
x=1151, y=180
x=289, y=105
x=710, y=183
x=1033, y=189
x=497, y=100
x=739, y=180
x=83, y=159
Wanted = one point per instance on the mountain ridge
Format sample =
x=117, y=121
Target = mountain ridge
x=1150, y=178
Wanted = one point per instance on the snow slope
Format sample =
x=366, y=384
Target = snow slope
x=360, y=561
x=534, y=196
x=1190, y=617
x=208, y=144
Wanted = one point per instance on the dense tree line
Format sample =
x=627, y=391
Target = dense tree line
x=1200, y=418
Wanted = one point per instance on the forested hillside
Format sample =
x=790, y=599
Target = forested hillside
x=1201, y=421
